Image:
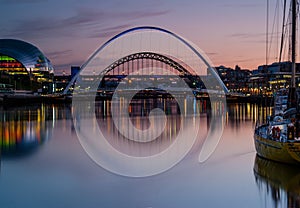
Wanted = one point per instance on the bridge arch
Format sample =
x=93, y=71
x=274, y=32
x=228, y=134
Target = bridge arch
x=152, y=56
x=97, y=63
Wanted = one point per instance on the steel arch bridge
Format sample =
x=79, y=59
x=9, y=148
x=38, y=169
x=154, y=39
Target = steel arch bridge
x=145, y=66
x=151, y=56
x=134, y=62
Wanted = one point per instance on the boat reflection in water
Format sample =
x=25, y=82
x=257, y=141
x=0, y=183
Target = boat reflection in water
x=23, y=130
x=278, y=182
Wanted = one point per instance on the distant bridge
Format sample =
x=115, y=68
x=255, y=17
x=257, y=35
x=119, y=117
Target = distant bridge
x=148, y=56
x=165, y=68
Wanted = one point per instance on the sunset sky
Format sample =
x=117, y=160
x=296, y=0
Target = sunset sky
x=68, y=32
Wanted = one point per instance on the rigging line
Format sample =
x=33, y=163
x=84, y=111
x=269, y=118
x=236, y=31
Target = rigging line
x=285, y=45
x=273, y=28
x=288, y=32
x=278, y=31
x=284, y=55
x=282, y=34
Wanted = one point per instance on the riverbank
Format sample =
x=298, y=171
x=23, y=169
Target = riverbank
x=24, y=98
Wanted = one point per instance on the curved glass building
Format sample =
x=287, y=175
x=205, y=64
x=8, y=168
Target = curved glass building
x=23, y=65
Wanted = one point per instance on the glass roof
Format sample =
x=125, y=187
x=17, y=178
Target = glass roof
x=29, y=55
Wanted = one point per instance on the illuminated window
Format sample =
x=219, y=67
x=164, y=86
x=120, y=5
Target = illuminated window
x=11, y=65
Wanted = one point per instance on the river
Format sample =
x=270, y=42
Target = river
x=44, y=163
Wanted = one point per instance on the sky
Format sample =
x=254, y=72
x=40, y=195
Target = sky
x=68, y=32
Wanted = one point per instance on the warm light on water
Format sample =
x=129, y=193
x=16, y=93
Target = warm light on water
x=58, y=173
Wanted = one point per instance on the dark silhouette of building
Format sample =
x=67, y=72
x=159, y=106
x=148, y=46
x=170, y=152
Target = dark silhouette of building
x=236, y=80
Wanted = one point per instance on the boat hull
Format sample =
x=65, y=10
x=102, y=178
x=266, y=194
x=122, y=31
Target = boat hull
x=287, y=152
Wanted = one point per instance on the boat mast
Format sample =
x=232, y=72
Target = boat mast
x=292, y=90
x=294, y=22
x=267, y=34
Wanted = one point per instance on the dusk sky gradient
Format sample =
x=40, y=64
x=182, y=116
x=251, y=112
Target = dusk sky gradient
x=68, y=32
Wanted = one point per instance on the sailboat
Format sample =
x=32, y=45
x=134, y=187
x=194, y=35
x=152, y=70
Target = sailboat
x=279, y=138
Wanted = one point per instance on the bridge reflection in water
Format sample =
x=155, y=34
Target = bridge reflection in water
x=139, y=112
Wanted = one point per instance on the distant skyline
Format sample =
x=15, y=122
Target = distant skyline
x=230, y=32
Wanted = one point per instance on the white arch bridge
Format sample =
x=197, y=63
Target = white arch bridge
x=149, y=55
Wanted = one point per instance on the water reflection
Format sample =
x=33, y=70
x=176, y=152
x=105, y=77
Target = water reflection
x=241, y=112
x=139, y=111
x=24, y=129
x=278, y=183
x=63, y=163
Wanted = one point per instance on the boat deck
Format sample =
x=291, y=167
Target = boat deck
x=265, y=131
x=275, y=145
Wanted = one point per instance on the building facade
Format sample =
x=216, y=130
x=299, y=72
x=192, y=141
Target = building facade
x=267, y=79
x=23, y=65
x=236, y=80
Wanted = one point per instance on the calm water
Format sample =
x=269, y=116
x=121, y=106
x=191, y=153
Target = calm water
x=44, y=165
